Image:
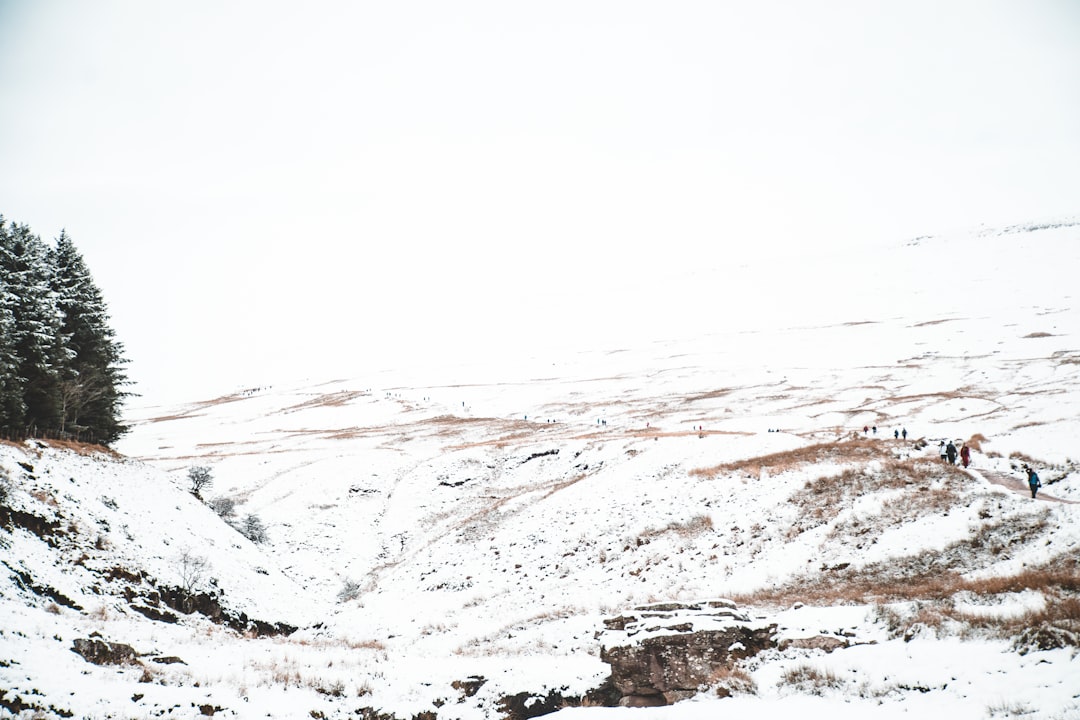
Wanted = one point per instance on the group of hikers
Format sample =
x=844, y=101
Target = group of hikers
x=895, y=433
x=949, y=454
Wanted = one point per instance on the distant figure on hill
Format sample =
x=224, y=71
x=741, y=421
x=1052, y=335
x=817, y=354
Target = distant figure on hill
x=941, y=451
x=950, y=453
x=1033, y=481
x=965, y=455
x=896, y=434
x=865, y=429
x=904, y=433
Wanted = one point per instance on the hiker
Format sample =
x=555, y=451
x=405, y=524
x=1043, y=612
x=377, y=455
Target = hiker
x=950, y=453
x=941, y=451
x=904, y=433
x=1033, y=481
x=965, y=455
x=875, y=429
x=896, y=434
x=865, y=429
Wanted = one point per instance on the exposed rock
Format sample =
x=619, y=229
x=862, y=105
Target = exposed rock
x=26, y=582
x=48, y=530
x=100, y=652
x=168, y=660
x=523, y=706
x=666, y=652
x=470, y=687
x=155, y=614
x=209, y=605
x=828, y=643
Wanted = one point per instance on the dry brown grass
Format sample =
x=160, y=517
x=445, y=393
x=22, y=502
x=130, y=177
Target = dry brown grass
x=975, y=442
x=79, y=448
x=811, y=680
x=44, y=497
x=1022, y=458
x=337, y=399
x=850, y=451
x=893, y=513
x=1062, y=612
x=730, y=681
x=1055, y=625
x=692, y=527
x=928, y=578
x=709, y=395
x=822, y=499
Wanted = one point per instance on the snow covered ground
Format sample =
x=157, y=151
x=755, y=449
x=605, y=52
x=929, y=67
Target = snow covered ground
x=432, y=525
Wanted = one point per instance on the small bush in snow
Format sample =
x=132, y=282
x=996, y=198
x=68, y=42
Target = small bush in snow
x=253, y=529
x=224, y=507
x=349, y=591
x=1009, y=708
x=7, y=487
x=191, y=568
x=811, y=680
x=200, y=478
x=732, y=681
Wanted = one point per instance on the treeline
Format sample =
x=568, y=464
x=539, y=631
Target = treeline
x=60, y=363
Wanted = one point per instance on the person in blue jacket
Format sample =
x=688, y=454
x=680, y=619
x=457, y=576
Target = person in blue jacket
x=1033, y=481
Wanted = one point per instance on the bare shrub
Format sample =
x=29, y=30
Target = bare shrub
x=224, y=507
x=975, y=442
x=1009, y=709
x=253, y=529
x=350, y=590
x=335, y=688
x=191, y=569
x=200, y=478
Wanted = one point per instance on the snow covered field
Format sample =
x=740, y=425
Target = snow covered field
x=447, y=536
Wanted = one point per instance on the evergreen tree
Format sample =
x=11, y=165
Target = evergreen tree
x=11, y=395
x=35, y=336
x=90, y=378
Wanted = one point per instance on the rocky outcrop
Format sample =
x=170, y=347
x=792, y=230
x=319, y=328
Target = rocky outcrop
x=100, y=652
x=209, y=605
x=666, y=652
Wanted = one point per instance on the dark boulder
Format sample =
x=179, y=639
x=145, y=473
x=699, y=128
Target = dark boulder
x=663, y=653
x=100, y=652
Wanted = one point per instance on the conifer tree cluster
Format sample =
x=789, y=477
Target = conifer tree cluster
x=60, y=363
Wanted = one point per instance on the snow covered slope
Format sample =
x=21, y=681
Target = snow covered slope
x=432, y=525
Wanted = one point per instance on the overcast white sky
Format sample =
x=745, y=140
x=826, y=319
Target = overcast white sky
x=266, y=189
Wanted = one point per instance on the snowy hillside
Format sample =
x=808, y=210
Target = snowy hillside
x=443, y=539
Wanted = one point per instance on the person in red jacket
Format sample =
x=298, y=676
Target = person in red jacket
x=965, y=455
